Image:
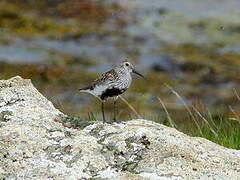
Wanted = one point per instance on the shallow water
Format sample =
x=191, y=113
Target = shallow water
x=157, y=22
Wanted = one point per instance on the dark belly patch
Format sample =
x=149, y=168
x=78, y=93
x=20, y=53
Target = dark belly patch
x=112, y=92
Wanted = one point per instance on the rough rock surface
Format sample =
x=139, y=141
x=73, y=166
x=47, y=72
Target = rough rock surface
x=34, y=145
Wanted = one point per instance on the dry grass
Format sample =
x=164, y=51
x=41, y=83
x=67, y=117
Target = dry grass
x=222, y=129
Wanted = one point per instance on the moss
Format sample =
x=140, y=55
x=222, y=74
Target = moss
x=130, y=167
x=110, y=147
x=93, y=178
x=4, y=114
x=76, y=122
x=81, y=18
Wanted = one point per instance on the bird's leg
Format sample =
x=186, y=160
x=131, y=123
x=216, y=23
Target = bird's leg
x=103, y=114
x=115, y=110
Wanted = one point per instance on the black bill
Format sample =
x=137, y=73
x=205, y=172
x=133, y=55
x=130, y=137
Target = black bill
x=134, y=71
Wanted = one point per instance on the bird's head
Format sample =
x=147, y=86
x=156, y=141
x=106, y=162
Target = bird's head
x=129, y=67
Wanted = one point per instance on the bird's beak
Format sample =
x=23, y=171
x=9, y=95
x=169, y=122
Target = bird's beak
x=134, y=71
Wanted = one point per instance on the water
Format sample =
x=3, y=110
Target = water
x=157, y=22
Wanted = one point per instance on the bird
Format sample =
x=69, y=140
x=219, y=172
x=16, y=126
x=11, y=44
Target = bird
x=111, y=84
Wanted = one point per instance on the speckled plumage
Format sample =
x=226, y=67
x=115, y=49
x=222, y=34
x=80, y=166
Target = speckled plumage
x=112, y=83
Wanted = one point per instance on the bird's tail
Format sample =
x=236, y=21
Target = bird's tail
x=85, y=89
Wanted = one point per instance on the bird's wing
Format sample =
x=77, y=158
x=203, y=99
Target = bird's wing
x=106, y=79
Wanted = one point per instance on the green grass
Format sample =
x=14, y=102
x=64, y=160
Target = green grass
x=221, y=127
x=79, y=122
x=227, y=132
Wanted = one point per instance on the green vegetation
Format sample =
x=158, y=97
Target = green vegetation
x=222, y=128
x=55, y=20
x=227, y=132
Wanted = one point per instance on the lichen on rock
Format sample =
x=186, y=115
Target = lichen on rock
x=34, y=144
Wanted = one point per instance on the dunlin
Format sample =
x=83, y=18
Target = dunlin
x=111, y=84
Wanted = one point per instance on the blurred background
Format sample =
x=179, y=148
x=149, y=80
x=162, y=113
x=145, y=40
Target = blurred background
x=189, y=51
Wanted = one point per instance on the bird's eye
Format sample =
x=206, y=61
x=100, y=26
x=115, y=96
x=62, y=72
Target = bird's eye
x=127, y=64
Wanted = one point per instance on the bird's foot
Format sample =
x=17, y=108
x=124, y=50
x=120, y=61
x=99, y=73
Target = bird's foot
x=112, y=121
x=116, y=120
x=107, y=122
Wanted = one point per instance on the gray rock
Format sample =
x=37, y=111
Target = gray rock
x=35, y=145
